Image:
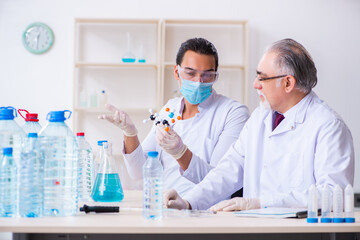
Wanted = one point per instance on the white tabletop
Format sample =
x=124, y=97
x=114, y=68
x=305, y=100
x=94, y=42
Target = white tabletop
x=133, y=222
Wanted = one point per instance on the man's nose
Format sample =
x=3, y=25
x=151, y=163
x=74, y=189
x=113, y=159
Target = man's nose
x=257, y=84
x=197, y=78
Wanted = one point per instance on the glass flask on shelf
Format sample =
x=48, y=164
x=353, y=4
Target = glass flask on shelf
x=107, y=187
x=128, y=56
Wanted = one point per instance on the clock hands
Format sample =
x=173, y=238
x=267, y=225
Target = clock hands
x=37, y=40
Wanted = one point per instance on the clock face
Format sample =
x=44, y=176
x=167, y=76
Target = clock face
x=38, y=38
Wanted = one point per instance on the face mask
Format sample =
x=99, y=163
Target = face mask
x=195, y=92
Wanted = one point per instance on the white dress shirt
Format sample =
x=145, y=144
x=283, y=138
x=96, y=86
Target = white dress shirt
x=208, y=135
x=312, y=145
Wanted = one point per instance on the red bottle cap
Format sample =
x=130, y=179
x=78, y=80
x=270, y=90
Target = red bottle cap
x=80, y=134
x=29, y=117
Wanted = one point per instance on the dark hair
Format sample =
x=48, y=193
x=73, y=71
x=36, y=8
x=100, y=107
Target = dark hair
x=295, y=60
x=198, y=45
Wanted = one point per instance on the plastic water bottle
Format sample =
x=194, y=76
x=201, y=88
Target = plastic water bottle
x=32, y=124
x=31, y=181
x=326, y=204
x=11, y=134
x=152, y=187
x=349, y=204
x=312, y=215
x=61, y=161
x=85, y=167
x=99, y=154
x=8, y=184
x=107, y=187
x=338, y=205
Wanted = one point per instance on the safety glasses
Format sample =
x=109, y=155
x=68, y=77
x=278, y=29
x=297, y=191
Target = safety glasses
x=198, y=76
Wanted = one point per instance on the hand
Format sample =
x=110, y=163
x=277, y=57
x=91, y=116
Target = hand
x=170, y=141
x=120, y=119
x=236, y=204
x=173, y=200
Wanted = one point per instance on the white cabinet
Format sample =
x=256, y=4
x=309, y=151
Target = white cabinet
x=101, y=45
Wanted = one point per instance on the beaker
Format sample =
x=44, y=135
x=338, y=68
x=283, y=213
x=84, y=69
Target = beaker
x=107, y=187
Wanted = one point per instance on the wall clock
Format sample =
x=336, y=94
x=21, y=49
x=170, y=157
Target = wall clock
x=38, y=38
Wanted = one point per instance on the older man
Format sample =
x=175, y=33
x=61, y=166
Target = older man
x=293, y=140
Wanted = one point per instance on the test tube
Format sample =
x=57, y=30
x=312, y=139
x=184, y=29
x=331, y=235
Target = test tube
x=312, y=205
x=326, y=204
x=338, y=204
x=349, y=204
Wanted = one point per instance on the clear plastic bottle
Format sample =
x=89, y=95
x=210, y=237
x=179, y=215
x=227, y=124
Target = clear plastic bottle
x=31, y=180
x=103, y=99
x=11, y=134
x=94, y=100
x=61, y=161
x=338, y=204
x=326, y=204
x=32, y=124
x=312, y=215
x=83, y=98
x=107, y=187
x=85, y=168
x=8, y=184
x=152, y=187
x=349, y=204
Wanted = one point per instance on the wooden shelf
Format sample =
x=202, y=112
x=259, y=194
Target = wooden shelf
x=224, y=66
x=105, y=111
x=115, y=65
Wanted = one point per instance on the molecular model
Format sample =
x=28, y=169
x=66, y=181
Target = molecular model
x=165, y=122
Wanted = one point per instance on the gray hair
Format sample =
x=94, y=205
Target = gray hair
x=295, y=60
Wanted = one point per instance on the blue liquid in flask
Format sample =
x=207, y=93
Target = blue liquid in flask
x=107, y=188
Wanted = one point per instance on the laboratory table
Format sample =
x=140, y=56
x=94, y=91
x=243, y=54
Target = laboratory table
x=131, y=225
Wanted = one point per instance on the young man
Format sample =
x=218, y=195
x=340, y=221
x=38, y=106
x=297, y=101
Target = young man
x=293, y=140
x=210, y=123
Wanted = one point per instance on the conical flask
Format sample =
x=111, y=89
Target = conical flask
x=107, y=187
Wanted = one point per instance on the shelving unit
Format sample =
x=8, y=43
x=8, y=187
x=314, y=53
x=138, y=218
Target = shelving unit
x=99, y=45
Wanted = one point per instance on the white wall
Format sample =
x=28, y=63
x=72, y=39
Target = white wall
x=329, y=29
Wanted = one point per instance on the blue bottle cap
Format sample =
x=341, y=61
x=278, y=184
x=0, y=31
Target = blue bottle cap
x=100, y=143
x=326, y=220
x=339, y=220
x=32, y=135
x=349, y=220
x=8, y=151
x=7, y=113
x=312, y=220
x=58, y=116
x=153, y=154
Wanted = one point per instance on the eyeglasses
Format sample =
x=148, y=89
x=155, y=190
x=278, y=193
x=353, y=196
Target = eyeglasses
x=192, y=75
x=269, y=78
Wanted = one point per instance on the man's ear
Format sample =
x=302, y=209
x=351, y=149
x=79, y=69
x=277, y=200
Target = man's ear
x=176, y=73
x=290, y=82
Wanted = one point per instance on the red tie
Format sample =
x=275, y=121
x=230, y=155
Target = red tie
x=278, y=118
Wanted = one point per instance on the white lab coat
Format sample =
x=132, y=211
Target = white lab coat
x=312, y=145
x=208, y=135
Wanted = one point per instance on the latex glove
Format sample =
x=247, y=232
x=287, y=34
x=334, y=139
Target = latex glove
x=121, y=119
x=173, y=200
x=170, y=142
x=236, y=204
